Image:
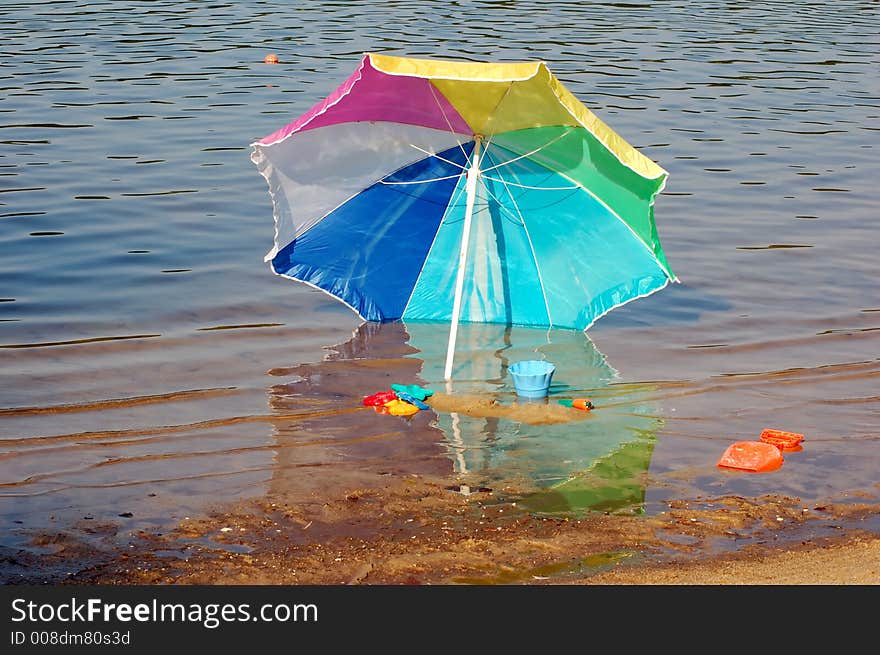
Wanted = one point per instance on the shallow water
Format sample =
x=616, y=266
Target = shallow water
x=151, y=365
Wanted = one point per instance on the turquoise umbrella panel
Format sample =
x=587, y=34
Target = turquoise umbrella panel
x=501, y=284
x=369, y=251
x=542, y=251
x=588, y=257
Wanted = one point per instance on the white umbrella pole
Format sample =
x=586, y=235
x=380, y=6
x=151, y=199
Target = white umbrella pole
x=473, y=175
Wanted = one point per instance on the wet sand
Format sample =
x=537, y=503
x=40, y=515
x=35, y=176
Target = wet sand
x=415, y=530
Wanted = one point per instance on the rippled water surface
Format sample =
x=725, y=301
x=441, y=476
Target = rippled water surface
x=151, y=365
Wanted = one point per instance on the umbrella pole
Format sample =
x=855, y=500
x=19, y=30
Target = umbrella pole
x=473, y=175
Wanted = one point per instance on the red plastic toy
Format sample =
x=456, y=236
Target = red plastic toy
x=379, y=398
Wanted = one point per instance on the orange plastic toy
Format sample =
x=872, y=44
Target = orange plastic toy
x=400, y=408
x=753, y=456
x=780, y=438
x=578, y=403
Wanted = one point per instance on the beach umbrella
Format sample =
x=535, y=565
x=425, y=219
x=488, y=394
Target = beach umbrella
x=462, y=192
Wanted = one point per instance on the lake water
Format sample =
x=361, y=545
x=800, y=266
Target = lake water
x=151, y=366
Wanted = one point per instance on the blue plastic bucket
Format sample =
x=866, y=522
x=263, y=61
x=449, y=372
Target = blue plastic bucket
x=531, y=378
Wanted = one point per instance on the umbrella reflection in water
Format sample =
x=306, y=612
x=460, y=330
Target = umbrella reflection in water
x=595, y=462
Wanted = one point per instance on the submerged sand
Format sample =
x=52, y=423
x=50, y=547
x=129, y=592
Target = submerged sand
x=538, y=412
x=415, y=530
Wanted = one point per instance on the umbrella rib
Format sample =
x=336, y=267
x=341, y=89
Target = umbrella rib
x=531, y=245
x=495, y=108
x=535, y=188
x=433, y=179
x=443, y=159
x=532, y=152
x=517, y=219
x=309, y=225
x=446, y=118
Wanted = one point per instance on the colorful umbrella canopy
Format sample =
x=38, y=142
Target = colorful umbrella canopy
x=434, y=190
